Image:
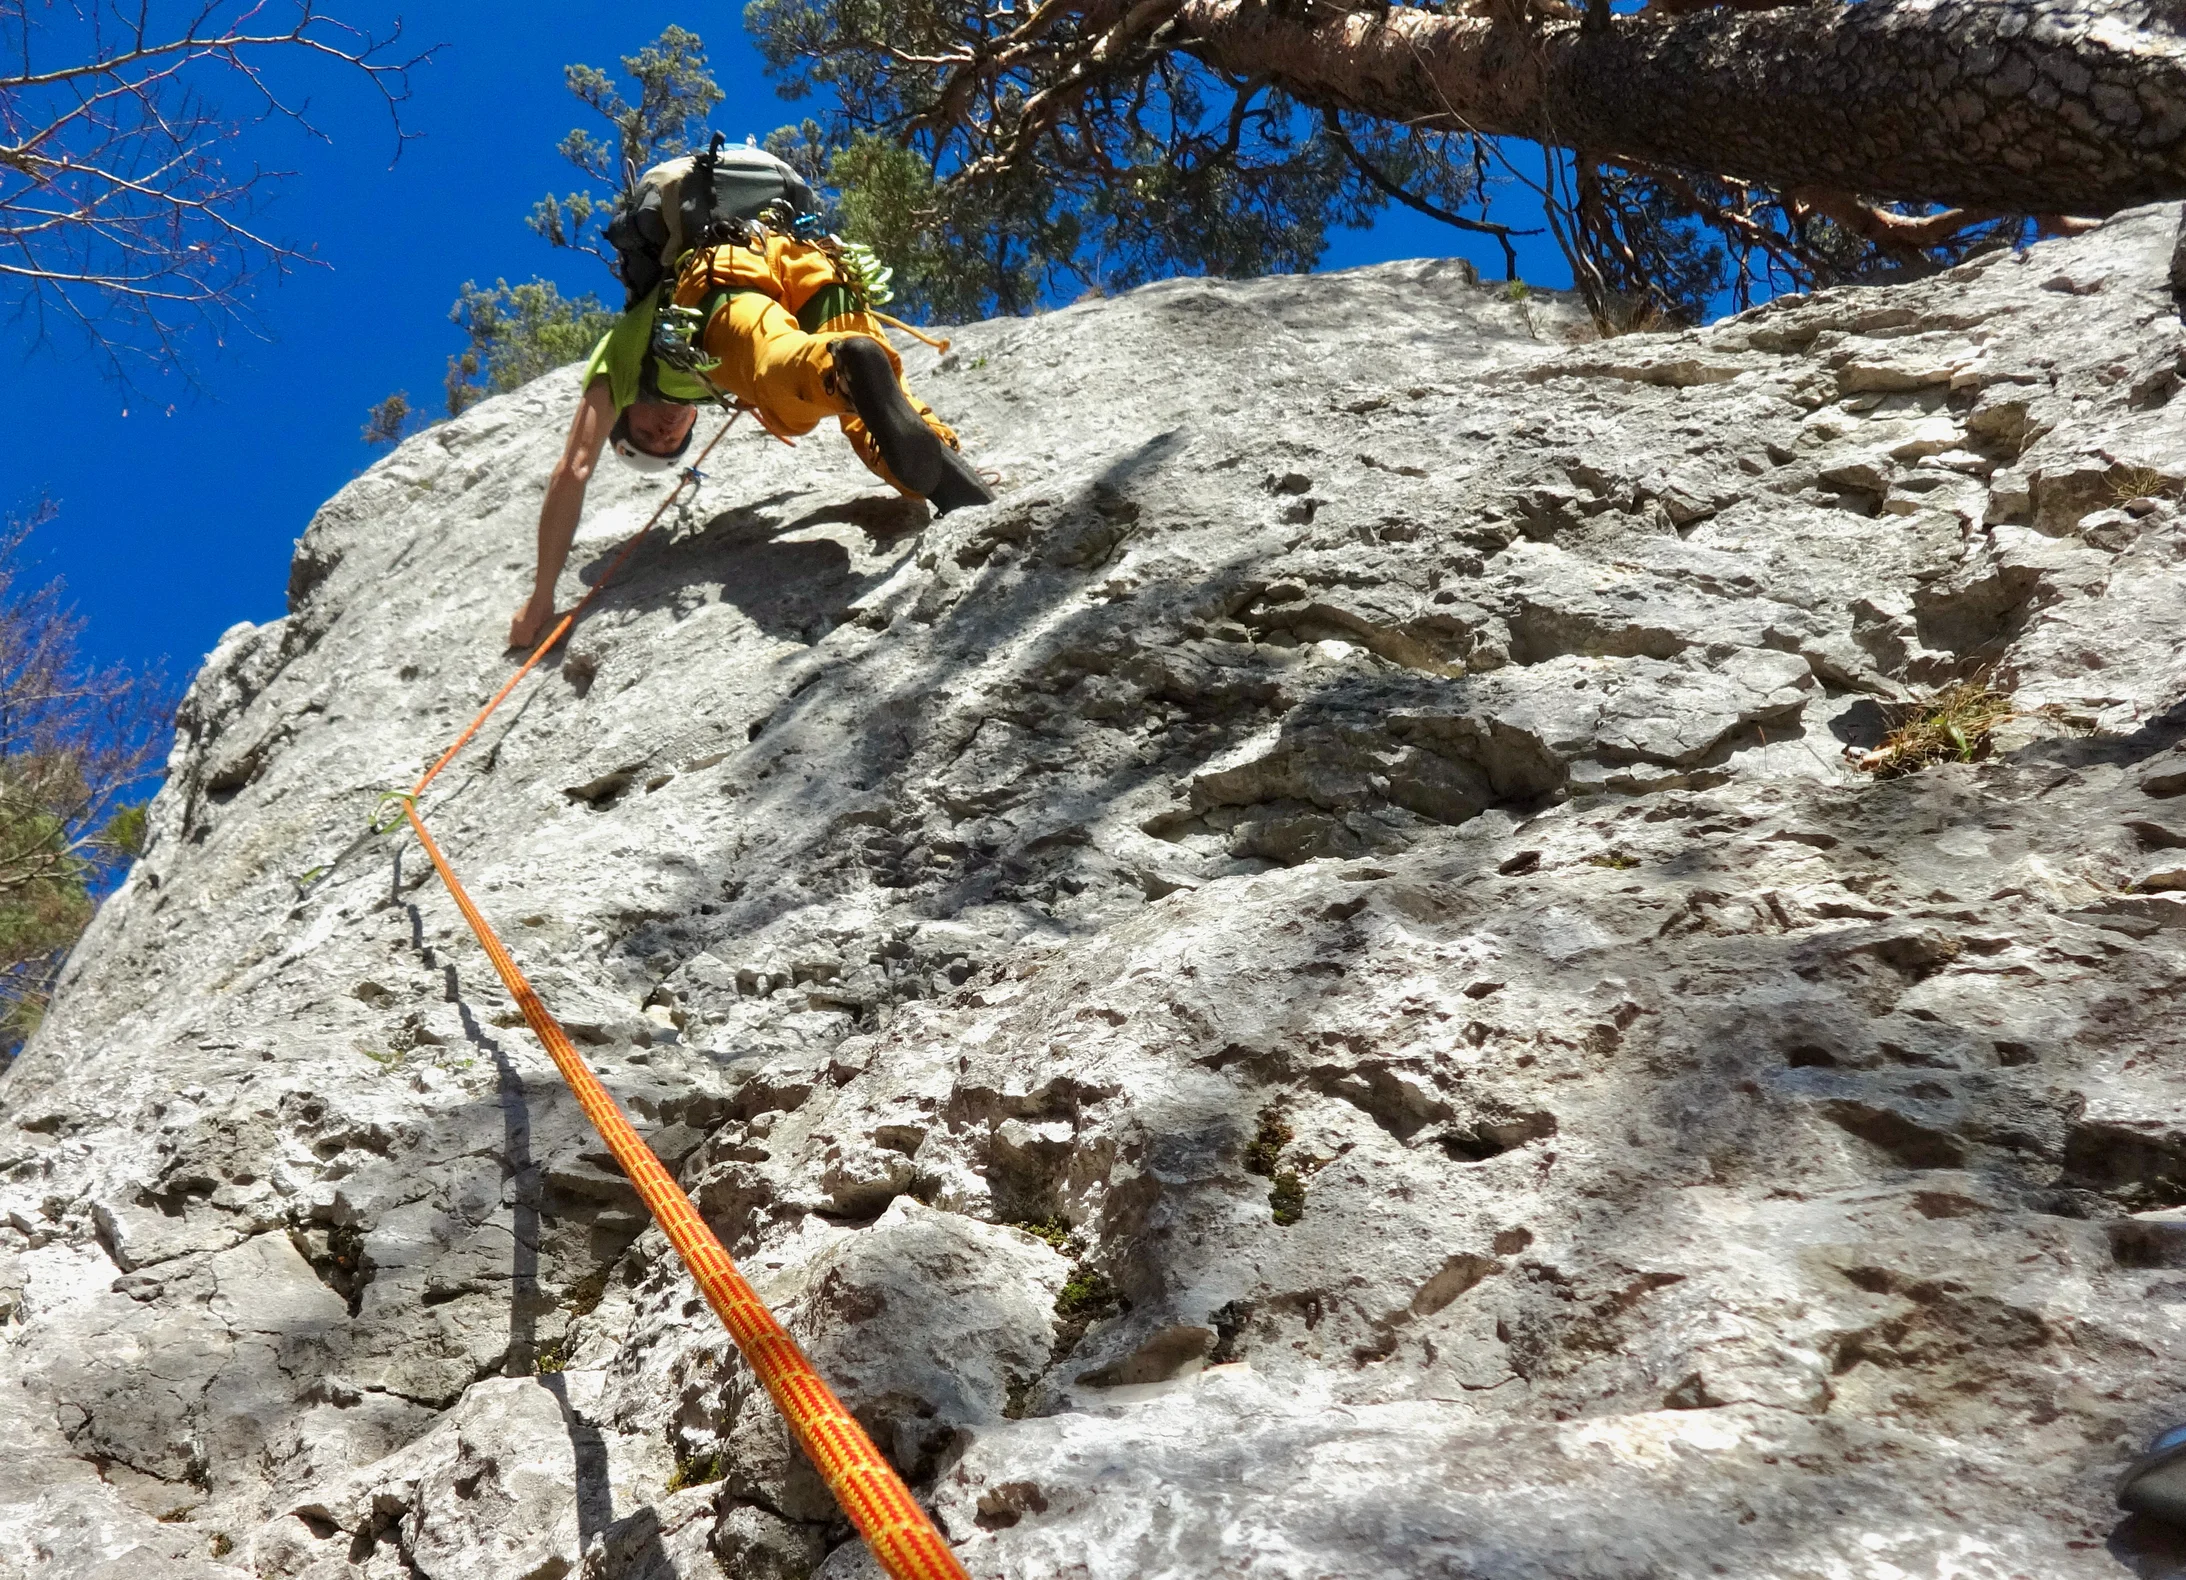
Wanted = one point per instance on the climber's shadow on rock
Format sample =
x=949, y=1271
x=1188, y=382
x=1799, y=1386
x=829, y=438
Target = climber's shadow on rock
x=881, y=517
x=790, y=577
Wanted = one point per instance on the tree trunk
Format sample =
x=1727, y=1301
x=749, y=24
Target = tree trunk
x=2033, y=106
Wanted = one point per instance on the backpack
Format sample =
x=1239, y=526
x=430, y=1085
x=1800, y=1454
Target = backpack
x=699, y=200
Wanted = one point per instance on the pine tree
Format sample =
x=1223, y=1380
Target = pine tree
x=1678, y=152
x=76, y=745
x=518, y=332
x=675, y=94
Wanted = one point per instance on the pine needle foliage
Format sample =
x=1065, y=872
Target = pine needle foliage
x=675, y=92
x=516, y=333
x=77, y=743
x=391, y=421
x=1097, y=143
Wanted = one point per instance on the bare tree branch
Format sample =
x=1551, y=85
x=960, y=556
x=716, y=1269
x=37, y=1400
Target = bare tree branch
x=1382, y=182
x=1912, y=232
x=119, y=215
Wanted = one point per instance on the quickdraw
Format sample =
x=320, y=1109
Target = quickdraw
x=380, y=824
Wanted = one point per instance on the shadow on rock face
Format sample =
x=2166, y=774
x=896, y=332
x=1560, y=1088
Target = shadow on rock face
x=1631, y=1160
x=794, y=589
x=1861, y=726
x=881, y=517
x=792, y=577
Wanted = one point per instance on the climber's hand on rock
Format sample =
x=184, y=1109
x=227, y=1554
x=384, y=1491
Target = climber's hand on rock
x=530, y=624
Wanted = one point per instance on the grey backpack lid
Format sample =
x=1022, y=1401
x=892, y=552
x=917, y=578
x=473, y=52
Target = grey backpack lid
x=747, y=179
x=675, y=204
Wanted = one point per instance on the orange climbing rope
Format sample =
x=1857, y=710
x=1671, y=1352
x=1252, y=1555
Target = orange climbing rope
x=864, y=1485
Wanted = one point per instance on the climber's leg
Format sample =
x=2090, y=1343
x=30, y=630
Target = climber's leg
x=767, y=361
x=829, y=361
x=885, y=428
x=910, y=452
x=960, y=487
x=2155, y=1484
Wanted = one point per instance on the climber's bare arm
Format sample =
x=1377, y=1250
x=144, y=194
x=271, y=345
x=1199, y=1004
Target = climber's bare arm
x=588, y=431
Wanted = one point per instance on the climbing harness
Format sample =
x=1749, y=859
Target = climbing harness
x=868, y=1490
x=861, y=283
x=693, y=201
x=676, y=333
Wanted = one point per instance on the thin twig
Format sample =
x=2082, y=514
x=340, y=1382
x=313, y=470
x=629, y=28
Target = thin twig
x=1382, y=181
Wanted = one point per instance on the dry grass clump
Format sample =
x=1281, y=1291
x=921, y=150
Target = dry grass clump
x=2128, y=483
x=1951, y=726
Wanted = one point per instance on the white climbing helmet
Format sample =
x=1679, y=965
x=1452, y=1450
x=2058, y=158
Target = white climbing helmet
x=644, y=460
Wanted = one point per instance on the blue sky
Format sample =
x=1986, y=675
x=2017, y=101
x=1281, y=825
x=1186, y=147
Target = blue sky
x=178, y=509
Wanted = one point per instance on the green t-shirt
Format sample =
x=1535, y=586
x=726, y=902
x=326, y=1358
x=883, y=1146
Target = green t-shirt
x=620, y=357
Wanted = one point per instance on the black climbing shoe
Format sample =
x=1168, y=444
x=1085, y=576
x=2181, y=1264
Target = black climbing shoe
x=960, y=487
x=2156, y=1483
x=912, y=450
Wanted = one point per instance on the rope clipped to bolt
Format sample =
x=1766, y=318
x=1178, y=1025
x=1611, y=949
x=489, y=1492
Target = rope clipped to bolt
x=864, y=1485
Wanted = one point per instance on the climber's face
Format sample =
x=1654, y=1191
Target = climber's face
x=659, y=427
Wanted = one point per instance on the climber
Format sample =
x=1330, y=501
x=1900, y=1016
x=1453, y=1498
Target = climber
x=790, y=378
x=782, y=323
x=647, y=412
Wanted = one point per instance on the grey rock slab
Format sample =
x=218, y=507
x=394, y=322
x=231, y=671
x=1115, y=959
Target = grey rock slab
x=1310, y=991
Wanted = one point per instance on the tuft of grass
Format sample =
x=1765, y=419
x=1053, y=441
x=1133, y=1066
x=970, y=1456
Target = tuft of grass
x=1264, y=1157
x=1087, y=1295
x=1614, y=860
x=223, y=1544
x=345, y=1253
x=2141, y=482
x=1266, y=1151
x=1622, y=315
x=586, y=1294
x=1017, y=1402
x=697, y=1470
x=1951, y=726
x=1055, y=1229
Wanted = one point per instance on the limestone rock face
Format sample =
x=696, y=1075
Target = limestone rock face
x=1309, y=993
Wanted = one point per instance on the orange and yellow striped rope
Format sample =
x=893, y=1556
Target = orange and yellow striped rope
x=864, y=1485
